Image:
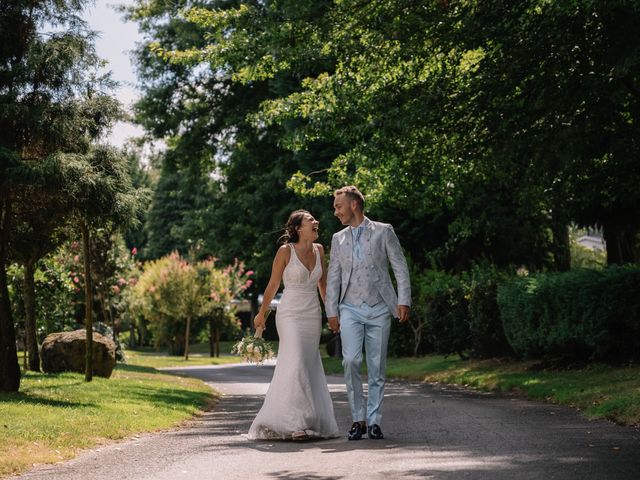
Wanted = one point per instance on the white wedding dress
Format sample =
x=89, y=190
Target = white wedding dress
x=298, y=397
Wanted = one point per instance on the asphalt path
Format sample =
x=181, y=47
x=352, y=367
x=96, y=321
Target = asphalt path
x=432, y=432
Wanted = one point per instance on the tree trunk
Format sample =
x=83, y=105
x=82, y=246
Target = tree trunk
x=142, y=336
x=31, y=341
x=25, y=366
x=620, y=240
x=105, y=305
x=112, y=318
x=88, y=302
x=186, y=339
x=561, y=247
x=217, y=342
x=212, y=347
x=417, y=338
x=132, y=334
x=9, y=366
x=101, y=300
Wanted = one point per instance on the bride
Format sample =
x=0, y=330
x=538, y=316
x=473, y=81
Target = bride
x=297, y=405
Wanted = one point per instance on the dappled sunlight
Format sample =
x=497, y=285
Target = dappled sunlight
x=458, y=432
x=533, y=381
x=431, y=432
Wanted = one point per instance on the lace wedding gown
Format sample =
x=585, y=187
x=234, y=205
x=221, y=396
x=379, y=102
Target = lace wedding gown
x=298, y=397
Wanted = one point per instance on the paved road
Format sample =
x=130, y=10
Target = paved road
x=432, y=433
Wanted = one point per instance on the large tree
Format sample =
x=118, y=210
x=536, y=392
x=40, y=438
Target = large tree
x=222, y=179
x=100, y=194
x=363, y=95
x=54, y=106
x=38, y=78
x=503, y=121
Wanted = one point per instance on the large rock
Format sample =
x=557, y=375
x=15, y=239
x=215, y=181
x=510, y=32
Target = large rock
x=65, y=352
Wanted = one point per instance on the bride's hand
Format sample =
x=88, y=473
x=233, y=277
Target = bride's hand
x=259, y=321
x=334, y=324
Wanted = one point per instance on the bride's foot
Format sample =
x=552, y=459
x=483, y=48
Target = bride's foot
x=299, y=435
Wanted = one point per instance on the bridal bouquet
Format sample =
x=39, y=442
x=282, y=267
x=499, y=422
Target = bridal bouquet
x=254, y=349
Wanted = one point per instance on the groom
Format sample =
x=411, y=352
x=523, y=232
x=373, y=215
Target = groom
x=360, y=302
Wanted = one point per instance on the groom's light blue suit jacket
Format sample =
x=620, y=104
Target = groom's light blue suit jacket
x=381, y=250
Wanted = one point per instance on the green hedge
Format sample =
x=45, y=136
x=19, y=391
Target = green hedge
x=440, y=304
x=486, y=332
x=581, y=314
x=457, y=314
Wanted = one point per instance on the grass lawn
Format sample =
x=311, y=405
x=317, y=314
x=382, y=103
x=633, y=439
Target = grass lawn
x=599, y=391
x=159, y=360
x=55, y=415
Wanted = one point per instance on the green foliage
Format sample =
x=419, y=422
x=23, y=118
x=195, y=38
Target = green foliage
x=583, y=257
x=135, y=235
x=470, y=115
x=402, y=338
x=453, y=314
x=55, y=297
x=171, y=292
x=581, y=314
x=485, y=327
x=59, y=280
x=222, y=178
x=178, y=212
x=167, y=294
x=440, y=303
x=55, y=104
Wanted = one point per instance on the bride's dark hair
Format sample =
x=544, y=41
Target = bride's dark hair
x=290, y=234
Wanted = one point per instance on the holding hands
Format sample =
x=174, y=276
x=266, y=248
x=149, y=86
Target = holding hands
x=334, y=324
x=403, y=313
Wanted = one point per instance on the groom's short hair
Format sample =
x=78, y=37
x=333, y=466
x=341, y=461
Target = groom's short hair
x=352, y=193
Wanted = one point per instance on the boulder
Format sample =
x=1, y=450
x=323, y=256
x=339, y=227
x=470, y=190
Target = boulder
x=65, y=351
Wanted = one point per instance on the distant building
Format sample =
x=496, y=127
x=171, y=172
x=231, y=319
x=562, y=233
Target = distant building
x=243, y=312
x=592, y=242
x=244, y=304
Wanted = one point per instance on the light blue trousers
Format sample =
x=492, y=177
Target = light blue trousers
x=370, y=325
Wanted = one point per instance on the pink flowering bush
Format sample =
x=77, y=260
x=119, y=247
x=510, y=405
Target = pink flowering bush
x=179, y=298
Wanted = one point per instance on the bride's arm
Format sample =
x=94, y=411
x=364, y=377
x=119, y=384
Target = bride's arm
x=279, y=263
x=322, y=284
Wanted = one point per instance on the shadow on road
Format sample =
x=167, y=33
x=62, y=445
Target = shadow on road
x=436, y=432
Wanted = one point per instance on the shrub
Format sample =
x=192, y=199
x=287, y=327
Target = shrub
x=453, y=314
x=178, y=298
x=402, y=340
x=485, y=327
x=581, y=314
x=583, y=257
x=441, y=307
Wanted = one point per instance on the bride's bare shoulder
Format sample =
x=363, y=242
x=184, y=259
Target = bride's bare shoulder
x=284, y=252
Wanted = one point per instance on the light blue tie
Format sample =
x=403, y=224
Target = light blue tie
x=357, y=246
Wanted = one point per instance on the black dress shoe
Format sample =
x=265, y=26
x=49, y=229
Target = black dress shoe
x=374, y=432
x=356, y=431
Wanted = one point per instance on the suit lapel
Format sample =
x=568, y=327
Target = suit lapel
x=369, y=227
x=345, y=244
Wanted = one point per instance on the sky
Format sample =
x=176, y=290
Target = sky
x=116, y=39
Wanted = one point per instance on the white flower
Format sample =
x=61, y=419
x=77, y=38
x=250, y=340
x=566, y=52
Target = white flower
x=253, y=350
